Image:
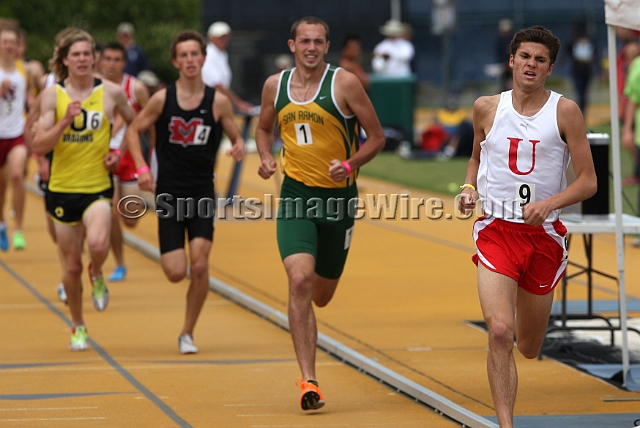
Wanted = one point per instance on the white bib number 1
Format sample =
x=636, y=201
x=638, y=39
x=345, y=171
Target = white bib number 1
x=525, y=193
x=303, y=134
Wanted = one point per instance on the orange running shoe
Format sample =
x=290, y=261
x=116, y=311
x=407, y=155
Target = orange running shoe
x=311, y=398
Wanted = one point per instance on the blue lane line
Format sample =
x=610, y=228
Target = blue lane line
x=22, y=366
x=125, y=374
x=223, y=362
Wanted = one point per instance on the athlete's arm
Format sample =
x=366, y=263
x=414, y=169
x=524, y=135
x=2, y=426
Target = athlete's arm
x=32, y=118
x=30, y=129
x=242, y=105
x=121, y=103
x=264, y=130
x=116, y=126
x=141, y=92
x=484, y=110
x=572, y=130
x=355, y=68
x=49, y=131
x=122, y=111
x=223, y=112
x=147, y=117
x=353, y=99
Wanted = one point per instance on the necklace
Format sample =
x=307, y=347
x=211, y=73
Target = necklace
x=304, y=97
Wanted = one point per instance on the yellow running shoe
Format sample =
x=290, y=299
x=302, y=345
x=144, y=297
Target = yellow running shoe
x=79, y=338
x=18, y=241
x=99, y=292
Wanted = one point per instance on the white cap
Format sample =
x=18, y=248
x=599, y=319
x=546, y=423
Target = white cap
x=505, y=24
x=148, y=77
x=125, y=28
x=392, y=28
x=219, y=29
x=284, y=61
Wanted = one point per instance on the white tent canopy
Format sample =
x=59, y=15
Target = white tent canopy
x=622, y=13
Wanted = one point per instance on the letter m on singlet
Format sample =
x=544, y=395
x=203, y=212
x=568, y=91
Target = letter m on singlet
x=183, y=132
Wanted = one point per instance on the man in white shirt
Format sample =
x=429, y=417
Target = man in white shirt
x=392, y=56
x=216, y=71
x=14, y=85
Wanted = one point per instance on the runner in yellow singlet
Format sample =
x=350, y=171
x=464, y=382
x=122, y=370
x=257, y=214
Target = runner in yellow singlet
x=75, y=122
x=319, y=109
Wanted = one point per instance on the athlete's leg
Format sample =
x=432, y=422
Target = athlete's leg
x=302, y=320
x=497, y=294
x=116, y=230
x=131, y=193
x=69, y=240
x=532, y=320
x=174, y=264
x=97, y=222
x=323, y=290
x=16, y=163
x=199, y=249
x=3, y=189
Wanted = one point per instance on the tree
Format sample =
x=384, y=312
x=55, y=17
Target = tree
x=156, y=21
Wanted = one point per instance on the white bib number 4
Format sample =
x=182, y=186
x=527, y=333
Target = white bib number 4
x=202, y=135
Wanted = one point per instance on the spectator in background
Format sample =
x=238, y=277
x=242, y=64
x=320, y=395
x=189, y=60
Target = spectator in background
x=502, y=49
x=283, y=62
x=632, y=50
x=136, y=56
x=150, y=80
x=583, y=54
x=113, y=61
x=34, y=69
x=450, y=135
x=216, y=71
x=628, y=50
x=408, y=36
x=392, y=57
x=351, y=57
x=631, y=133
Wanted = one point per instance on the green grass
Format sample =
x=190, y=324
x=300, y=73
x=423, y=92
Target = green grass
x=444, y=177
x=425, y=174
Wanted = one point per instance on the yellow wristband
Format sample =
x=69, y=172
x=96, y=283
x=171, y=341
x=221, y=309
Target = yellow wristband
x=470, y=186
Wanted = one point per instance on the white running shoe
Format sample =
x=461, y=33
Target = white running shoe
x=185, y=343
x=62, y=294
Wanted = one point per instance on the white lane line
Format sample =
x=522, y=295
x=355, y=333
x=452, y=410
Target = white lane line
x=32, y=409
x=97, y=418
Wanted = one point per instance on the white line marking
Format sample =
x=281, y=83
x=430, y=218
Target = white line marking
x=55, y=419
x=30, y=409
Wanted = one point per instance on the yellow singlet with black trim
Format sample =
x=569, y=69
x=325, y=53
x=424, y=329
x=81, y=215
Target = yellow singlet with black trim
x=314, y=133
x=22, y=69
x=77, y=165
